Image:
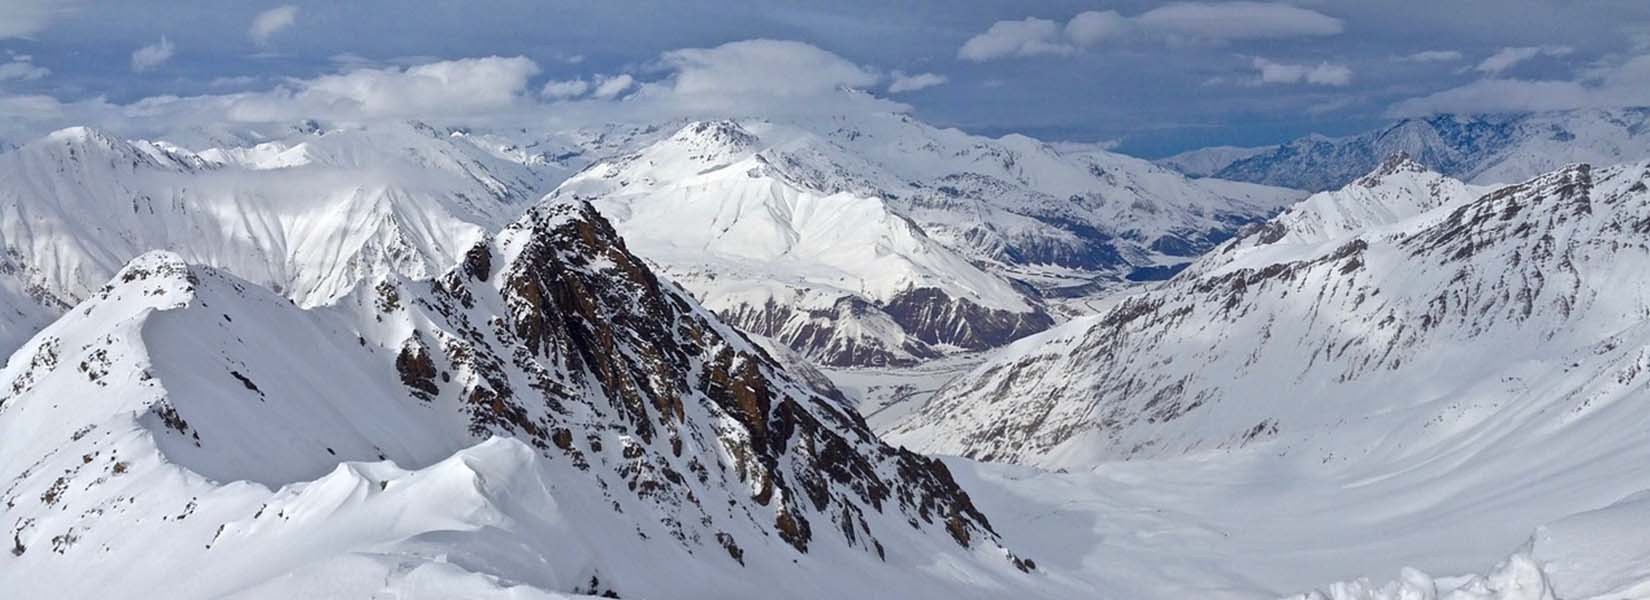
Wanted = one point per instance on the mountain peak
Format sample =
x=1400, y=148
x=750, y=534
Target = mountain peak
x=81, y=134
x=1395, y=163
x=720, y=132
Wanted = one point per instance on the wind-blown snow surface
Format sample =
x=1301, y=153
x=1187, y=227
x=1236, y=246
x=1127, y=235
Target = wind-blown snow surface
x=1423, y=392
x=546, y=418
x=1485, y=149
x=309, y=215
x=881, y=240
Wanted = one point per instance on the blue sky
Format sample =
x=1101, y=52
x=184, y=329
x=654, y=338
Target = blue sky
x=1153, y=77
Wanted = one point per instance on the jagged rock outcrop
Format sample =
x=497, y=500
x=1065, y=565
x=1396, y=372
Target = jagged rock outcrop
x=624, y=420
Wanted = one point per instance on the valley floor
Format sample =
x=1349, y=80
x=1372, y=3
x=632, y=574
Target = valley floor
x=1251, y=524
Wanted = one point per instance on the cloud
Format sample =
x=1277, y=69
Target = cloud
x=21, y=67
x=447, y=88
x=1027, y=37
x=1238, y=21
x=152, y=55
x=23, y=18
x=1428, y=56
x=1093, y=27
x=767, y=67
x=1506, y=58
x=233, y=81
x=754, y=78
x=1179, y=23
x=272, y=21
x=910, y=83
x=1613, y=86
x=612, y=87
x=571, y=88
x=751, y=78
x=1321, y=74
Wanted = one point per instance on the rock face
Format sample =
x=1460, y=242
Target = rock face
x=638, y=445
x=1485, y=149
x=1407, y=304
x=879, y=240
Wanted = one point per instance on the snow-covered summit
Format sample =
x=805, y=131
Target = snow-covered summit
x=638, y=446
x=1481, y=149
x=1306, y=334
x=880, y=239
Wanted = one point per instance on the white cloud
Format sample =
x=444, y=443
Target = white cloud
x=1320, y=74
x=752, y=78
x=755, y=78
x=1506, y=58
x=775, y=67
x=233, y=81
x=1093, y=27
x=272, y=21
x=21, y=67
x=1026, y=37
x=1623, y=84
x=1227, y=21
x=152, y=55
x=1179, y=23
x=1428, y=56
x=912, y=82
x=608, y=88
x=571, y=88
x=23, y=18
x=448, y=88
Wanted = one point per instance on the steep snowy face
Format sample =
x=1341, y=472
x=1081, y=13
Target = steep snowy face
x=309, y=216
x=637, y=445
x=882, y=240
x=1469, y=319
x=1397, y=191
x=1031, y=209
x=1485, y=149
x=819, y=262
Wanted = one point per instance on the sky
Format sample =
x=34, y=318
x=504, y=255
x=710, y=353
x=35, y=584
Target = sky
x=1148, y=78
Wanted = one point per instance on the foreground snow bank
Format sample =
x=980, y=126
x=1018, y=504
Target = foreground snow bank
x=1519, y=578
x=1601, y=554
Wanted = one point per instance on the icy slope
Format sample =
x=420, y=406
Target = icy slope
x=882, y=240
x=308, y=216
x=837, y=276
x=1486, y=149
x=1397, y=191
x=1524, y=300
x=546, y=418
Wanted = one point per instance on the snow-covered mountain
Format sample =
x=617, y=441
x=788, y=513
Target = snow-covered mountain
x=1349, y=308
x=1410, y=370
x=309, y=215
x=306, y=216
x=1485, y=149
x=547, y=418
x=1204, y=162
x=882, y=240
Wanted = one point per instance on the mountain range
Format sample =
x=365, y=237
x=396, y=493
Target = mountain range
x=1455, y=364
x=546, y=416
x=430, y=361
x=1485, y=149
x=881, y=240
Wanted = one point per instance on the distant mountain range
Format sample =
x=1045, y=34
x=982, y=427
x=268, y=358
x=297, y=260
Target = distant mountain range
x=1475, y=148
x=880, y=240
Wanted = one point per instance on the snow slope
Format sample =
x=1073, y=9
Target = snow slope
x=1485, y=149
x=545, y=419
x=308, y=216
x=1544, y=267
x=1422, y=392
x=880, y=240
